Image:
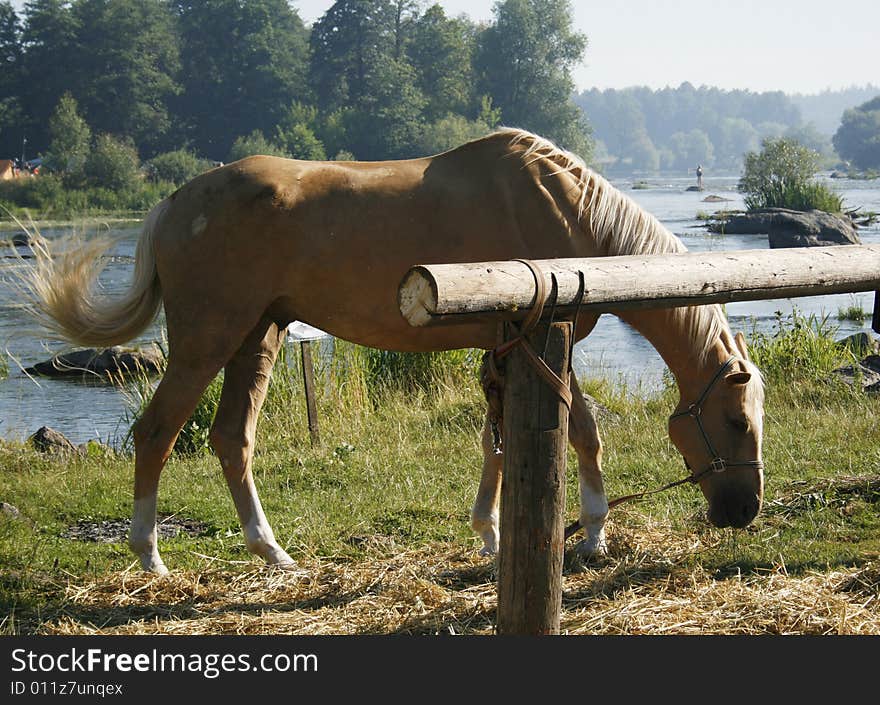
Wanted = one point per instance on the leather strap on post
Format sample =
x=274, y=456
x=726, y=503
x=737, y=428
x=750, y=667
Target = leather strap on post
x=491, y=377
x=548, y=375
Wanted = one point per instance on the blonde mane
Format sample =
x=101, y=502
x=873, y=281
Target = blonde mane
x=620, y=227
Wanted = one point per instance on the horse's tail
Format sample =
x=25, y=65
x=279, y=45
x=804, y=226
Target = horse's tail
x=62, y=290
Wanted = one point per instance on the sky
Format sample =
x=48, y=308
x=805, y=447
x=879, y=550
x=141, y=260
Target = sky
x=796, y=46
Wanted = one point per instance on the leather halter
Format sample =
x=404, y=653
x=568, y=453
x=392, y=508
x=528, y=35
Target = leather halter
x=695, y=411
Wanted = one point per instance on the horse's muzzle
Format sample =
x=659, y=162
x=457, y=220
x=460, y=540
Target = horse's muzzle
x=736, y=509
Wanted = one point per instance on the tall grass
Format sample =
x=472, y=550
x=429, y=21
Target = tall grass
x=349, y=376
x=853, y=312
x=800, y=347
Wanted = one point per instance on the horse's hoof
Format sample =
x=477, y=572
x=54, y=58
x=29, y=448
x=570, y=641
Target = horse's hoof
x=157, y=569
x=290, y=569
x=488, y=551
x=284, y=565
x=592, y=548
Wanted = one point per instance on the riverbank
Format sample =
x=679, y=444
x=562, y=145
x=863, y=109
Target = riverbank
x=108, y=221
x=377, y=518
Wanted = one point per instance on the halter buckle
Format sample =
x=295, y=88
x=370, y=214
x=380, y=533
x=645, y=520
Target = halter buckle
x=718, y=465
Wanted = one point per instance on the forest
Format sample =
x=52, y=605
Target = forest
x=179, y=84
x=370, y=79
x=638, y=129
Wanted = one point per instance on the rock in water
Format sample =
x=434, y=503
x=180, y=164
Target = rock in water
x=788, y=228
x=866, y=373
x=112, y=361
x=810, y=229
x=861, y=344
x=48, y=440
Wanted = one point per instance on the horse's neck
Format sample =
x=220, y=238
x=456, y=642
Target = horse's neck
x=686, y=354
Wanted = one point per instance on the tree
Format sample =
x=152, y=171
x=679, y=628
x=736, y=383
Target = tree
x=112, y=164
x=47, y=38
x=781, y=176
x=735, y=137
x=691, y=149
x=177, y=166
x=387, y=121
x=360, y=84
x=349, y=44
x=642, y=153
x=809, y=136
x=858, y=137
x=295, y=133
x=69, y=141
x=524, y=61
x=243, y=63
x=11, y=129
x=733, y=121
x=254, y=144
x=442, y=54
x=449, y=132
x=124, y=66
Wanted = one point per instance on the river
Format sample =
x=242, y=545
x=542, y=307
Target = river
x=84, y=411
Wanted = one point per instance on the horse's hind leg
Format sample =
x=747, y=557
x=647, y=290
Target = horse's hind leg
x=583, y=433
x=245, y=383
x=154, y=434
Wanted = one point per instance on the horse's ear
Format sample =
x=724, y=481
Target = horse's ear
x=736, y=378
x=741, y=346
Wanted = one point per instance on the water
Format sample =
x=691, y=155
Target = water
x=615, y=351
x=80, y=410
x=99, y=411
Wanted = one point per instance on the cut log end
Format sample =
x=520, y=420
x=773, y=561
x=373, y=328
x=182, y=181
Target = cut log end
x=417, y=297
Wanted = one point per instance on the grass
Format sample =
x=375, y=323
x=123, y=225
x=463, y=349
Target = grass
x=377, y=517
x=853, y=312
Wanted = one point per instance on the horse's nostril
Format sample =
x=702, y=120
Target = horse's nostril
x=741, y=513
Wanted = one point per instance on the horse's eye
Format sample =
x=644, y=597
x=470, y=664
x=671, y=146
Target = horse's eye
x=740, y=425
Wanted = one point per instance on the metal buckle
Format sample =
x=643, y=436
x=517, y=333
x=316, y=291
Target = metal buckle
x=718, y=465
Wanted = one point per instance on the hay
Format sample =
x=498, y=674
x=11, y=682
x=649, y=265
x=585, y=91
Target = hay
x=643, y=587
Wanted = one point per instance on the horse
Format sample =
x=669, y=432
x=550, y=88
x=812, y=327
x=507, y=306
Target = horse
x=239, y=252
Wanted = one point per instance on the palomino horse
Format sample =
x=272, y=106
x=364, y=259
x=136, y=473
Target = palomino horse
x=242, y=250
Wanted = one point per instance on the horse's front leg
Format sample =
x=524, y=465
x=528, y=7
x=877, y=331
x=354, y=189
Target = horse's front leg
x=584, y=436
x=484, y=515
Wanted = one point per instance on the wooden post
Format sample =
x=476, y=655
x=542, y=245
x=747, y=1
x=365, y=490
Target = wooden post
x=533, y=489
x=308, y=370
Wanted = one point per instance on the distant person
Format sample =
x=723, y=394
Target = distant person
x=700, y=177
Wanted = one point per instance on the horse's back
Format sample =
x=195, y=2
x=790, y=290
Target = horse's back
x=329, y=242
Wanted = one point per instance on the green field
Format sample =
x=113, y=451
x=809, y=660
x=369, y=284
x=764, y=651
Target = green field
x=377, y=517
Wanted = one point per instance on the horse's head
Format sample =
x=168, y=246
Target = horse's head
x=719, y=436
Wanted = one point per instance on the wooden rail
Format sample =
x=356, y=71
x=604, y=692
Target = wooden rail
x=458, y=293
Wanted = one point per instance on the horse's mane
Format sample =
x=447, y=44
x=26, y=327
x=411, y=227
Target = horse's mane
x=620, y=226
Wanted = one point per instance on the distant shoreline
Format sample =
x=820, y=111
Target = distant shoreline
x=81, y=221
